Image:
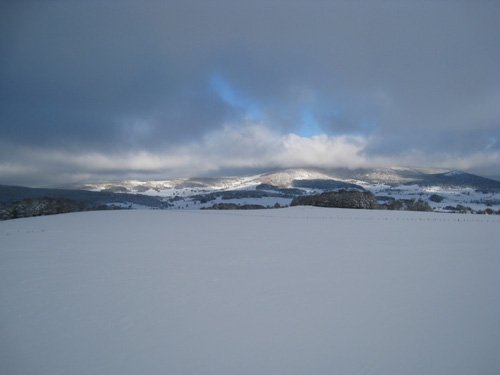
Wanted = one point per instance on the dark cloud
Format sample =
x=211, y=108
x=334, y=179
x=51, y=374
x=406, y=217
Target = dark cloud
x=124, y=76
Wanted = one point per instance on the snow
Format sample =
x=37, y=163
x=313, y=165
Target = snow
x=388, y=182
x=178, y=187
x=263, y=201
x=285, y=178
x=169, y=188
x=127, y=205
x=452, y=196
x=286, y=291
x=454, y=173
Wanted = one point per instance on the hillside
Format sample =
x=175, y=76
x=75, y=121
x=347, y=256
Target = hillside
x=392, y=188
x=443, y=190
x=19, y=201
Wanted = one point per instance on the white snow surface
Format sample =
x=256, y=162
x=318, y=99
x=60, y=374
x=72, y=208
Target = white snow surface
x=286, y=291
x=168, y=188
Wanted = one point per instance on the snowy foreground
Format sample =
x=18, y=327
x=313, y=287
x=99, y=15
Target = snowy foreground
x=290, y=291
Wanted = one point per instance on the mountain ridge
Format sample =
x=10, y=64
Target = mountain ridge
x=284, y=179
x=444, y=190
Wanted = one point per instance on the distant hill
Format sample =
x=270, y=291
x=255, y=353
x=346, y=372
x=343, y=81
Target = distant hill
x=19, y=201
x=442, y=190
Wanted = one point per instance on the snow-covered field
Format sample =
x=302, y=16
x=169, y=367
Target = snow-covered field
x=288, y=291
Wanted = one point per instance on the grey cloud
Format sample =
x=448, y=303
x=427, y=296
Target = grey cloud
x=122, y=75
x=75, y=72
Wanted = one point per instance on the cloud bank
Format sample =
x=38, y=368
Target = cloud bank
x=92, y=90
x=230, y=150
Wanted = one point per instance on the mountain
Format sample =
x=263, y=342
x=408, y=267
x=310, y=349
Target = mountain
x=291, y=177
x=394, y=188
x=427, y=177
x=444, y=190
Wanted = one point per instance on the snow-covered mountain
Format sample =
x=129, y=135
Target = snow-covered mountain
x=388, y=188
x=189, y=186
x=444, y=190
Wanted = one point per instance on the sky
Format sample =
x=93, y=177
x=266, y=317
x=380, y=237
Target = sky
x=107, y=90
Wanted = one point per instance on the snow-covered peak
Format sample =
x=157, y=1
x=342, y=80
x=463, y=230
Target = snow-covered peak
x=390, y=175
x=454, y=173
x=285, y=178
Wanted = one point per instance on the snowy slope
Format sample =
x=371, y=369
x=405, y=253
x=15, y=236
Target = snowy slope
x=453, y=187
x=290, y=291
